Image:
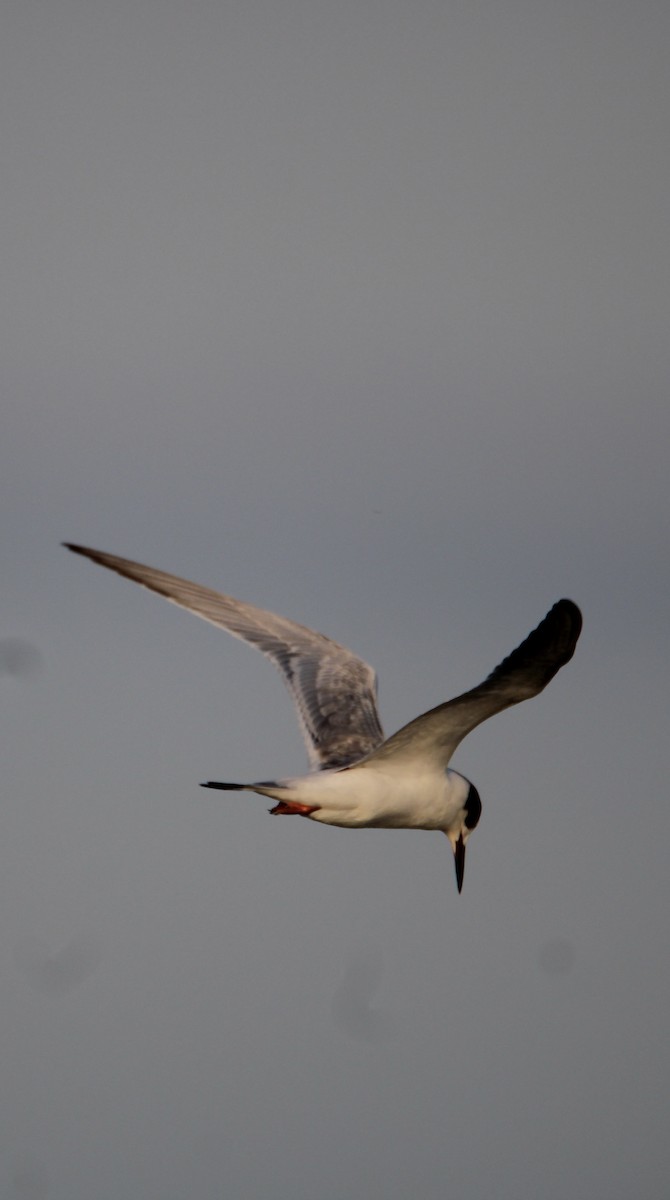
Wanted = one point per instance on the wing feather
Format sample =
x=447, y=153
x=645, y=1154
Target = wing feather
x=334, y=691
x=523, y=674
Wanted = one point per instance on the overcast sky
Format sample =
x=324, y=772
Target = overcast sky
x=358, y=311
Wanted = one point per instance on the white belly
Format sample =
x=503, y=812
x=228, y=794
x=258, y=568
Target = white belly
x=393, y=800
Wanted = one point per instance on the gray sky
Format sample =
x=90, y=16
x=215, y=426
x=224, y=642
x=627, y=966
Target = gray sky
x=358, y=311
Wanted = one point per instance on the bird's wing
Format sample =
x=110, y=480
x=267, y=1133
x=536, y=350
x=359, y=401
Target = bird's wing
x=333, y=690
x=434, y=735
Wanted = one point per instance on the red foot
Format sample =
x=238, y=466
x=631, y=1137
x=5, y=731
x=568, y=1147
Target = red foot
x=290, y=806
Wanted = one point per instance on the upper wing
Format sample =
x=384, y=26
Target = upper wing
x=435, y=735
x=333, y=690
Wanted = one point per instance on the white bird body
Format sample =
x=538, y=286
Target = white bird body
x=356, y=798
x=360, y=778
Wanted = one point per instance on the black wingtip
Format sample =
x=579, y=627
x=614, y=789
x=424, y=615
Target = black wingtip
x=571, y=610
x=573, y=616
x=546, y=649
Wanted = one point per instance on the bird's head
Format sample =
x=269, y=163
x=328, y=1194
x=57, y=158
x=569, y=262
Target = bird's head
x=463, y=824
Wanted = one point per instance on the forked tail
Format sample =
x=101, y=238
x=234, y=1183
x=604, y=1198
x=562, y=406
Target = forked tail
x=271, y=789
x=265, y=787
x=227, y=787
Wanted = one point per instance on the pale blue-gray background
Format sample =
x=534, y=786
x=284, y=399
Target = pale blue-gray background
x=358, y=311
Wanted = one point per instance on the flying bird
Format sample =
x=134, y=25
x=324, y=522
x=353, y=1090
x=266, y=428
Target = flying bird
x=359, y=778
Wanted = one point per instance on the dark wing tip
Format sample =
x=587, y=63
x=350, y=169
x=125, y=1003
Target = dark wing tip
x=556, y=636
x=568, y=616
x=545, y=650
x=569, y=606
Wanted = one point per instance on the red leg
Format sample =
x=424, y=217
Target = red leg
x=290, y=806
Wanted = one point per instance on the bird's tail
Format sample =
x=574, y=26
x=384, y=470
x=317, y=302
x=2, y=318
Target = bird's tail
x=276, y=791
x=268, y=787
x=227, y=787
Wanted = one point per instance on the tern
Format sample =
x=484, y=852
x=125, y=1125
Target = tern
x=359, y=778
